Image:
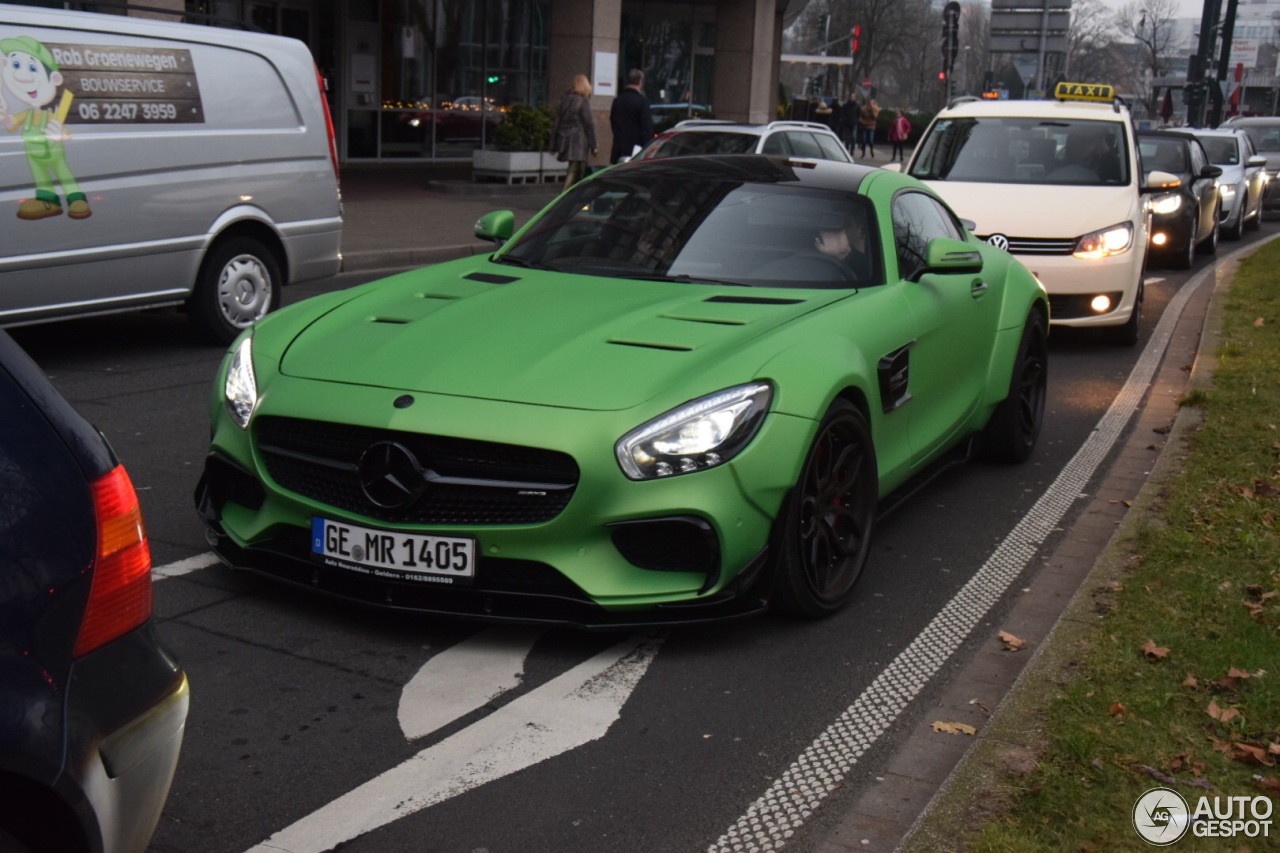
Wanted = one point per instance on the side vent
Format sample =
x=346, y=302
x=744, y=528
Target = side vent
x=894, y=372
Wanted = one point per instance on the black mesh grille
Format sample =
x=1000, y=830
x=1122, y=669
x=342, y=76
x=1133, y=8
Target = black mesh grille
x=319, y=461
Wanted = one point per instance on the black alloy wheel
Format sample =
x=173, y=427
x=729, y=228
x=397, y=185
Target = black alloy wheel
x=827, y=522
x=1011, y=434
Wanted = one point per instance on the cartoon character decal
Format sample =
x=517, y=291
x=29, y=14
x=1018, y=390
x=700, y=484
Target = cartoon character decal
x=31, y=77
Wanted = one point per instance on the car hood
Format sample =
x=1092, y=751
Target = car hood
x=538, y=337
x=1037, y=210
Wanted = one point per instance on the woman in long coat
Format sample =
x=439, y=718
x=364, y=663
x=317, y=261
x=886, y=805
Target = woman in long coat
x=573, y=135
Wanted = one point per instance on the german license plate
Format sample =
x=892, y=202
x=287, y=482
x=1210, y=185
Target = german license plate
x=393, y=555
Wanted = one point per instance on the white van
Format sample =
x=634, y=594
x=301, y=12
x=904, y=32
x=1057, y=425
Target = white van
x=147, y=163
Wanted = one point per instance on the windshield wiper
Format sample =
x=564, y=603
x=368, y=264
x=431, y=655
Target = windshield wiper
x=516, y=261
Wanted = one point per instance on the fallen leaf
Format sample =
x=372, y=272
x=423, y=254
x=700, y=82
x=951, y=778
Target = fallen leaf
x=1258, y=323
x=1213, y=710
x=953, y=728
x=1154, y=652
x=1011, y=643
x=1237, y=673
x=1178, y=763
x=1116, y=709
x=1229, y=715
x=1190, y=681
x=1271, y=783
x=1253, y=754
x=1274, y=748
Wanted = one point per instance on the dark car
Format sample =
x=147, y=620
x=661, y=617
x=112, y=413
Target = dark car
x=1185, y=217
x=93, y=706
x=1264, y=132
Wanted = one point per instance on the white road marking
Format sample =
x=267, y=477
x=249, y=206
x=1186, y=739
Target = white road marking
x=182, y=567
x=571, y=710
x=464, y=677
x=776, y=816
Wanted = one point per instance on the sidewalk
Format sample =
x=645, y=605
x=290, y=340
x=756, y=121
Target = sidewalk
x=403, y=215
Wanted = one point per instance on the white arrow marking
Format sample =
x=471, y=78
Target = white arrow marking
x=563, y=714
x=464, y=677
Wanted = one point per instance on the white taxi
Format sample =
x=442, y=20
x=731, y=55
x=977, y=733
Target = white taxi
x=1059, y=185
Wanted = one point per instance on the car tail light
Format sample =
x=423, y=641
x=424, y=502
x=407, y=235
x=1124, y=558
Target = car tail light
x=120, y=595
x=328, y=122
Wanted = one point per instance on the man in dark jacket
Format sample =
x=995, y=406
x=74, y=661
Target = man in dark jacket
x=629, y=117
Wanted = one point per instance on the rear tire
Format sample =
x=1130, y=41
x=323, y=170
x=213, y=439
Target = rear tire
x=824, y=533
x=1011, y=434
x=239, y=284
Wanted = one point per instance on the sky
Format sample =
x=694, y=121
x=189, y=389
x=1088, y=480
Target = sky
x=1186, y=8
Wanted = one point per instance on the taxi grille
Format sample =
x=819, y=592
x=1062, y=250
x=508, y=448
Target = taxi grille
x=1039, y=246
x=320, y=461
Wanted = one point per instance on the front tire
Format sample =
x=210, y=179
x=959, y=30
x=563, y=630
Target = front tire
x=824, y=534
x=1011, y=434
x=1187, y=258
x=1235, y=232
x=239, y=284
x=1210, y=244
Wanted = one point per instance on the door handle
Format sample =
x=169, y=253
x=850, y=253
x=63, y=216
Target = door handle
x=978, y=288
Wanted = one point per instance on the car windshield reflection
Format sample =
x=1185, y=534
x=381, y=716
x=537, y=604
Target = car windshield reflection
x=1024, y=151
x=704, y=232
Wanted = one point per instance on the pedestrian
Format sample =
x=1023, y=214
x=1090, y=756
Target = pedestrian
x=573, y=133
x=867, y=121
x=850, y=110
x=899, y=130
x=820, y=111
x=630, y=118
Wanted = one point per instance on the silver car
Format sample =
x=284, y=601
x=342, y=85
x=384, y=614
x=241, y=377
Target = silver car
x=1243, y=180
x=804, y=139
x=1264, y=133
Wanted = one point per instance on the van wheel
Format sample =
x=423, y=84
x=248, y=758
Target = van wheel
x=239, y=284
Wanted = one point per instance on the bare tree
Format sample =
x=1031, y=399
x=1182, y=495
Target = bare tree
x=1093, y=50
x=1148, y=23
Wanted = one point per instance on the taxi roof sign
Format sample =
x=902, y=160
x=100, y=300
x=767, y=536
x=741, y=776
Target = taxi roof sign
x=1100, y=92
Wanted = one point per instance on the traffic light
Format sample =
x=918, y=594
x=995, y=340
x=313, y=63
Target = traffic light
x=855, y=35
x=823, y=22
x=493, y=78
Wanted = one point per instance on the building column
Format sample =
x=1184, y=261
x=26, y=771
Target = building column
x=579, y=30
x=748, y=47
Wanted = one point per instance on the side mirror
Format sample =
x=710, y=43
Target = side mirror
x=1211, y=172
x=1256, y=160
x=496, y=225
x=1158, y=181
x=947, y=256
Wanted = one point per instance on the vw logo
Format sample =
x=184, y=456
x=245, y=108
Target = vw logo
x=390, y=475
x=999, y=241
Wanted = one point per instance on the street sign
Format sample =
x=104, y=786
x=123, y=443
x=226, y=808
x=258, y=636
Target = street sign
x=1002, y=22
x=1021, y=42
x=1038, y=5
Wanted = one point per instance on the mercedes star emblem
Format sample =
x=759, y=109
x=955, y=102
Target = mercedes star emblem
x=390, y=475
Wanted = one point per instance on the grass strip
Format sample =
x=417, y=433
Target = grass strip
x=1178, y=683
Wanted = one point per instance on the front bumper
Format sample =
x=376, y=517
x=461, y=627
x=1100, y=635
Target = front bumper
x=616, y=554
x=1072, y=283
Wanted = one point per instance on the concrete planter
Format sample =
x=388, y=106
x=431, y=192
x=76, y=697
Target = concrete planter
x=517, y=167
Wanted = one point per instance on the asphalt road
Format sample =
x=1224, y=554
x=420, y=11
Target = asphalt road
x=315, y=723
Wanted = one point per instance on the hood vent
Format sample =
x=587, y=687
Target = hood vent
x=645, y=345
x=755, y=300
x=490, y=278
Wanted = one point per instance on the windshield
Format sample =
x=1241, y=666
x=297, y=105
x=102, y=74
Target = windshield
x=1012, y=150
x=1266, y=137
x=1222, y=150
x=1168, y=154
x=680, y=228
x=693, y=142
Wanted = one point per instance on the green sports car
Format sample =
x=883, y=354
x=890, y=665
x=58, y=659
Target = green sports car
x=681, y=392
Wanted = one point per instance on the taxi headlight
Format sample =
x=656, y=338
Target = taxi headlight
x=241, y=388
x=1165, y=204
x=1105, y=242
x=701, y=434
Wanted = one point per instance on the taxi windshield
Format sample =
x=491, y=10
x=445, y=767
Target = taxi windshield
x=1012, y=150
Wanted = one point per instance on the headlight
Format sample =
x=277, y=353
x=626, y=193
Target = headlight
x=1167, y=203
x=1105, y=242
x=700, y=434
x=242, y=388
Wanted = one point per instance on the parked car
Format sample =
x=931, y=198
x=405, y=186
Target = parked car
x=1264, y=132
x=94, y=705
x=1057, y=184
x=710, y=136
x=1243, y=180
x=180, y=165
x=1184, y=218
x=666, y=116
x=659, y=401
